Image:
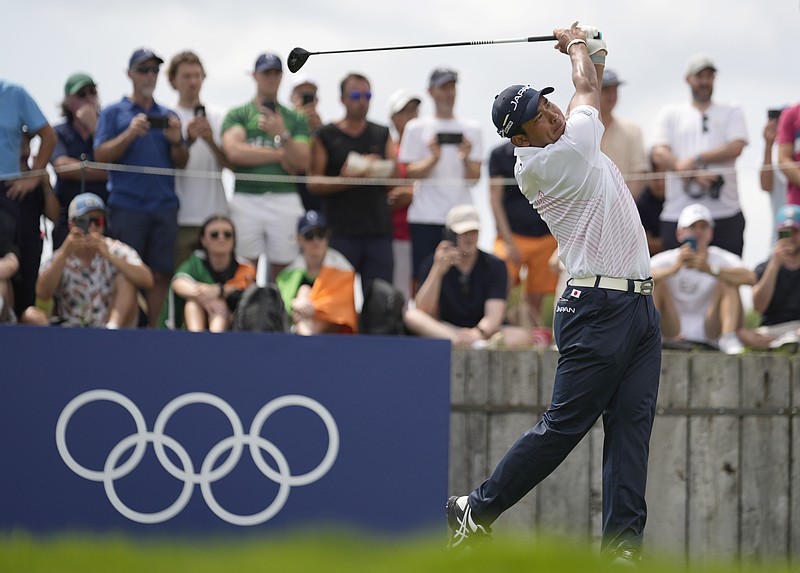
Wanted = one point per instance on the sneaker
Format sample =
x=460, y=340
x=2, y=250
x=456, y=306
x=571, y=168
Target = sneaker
x=729, y=344
x=626, y=558
x=787, y=341
x=464, y=531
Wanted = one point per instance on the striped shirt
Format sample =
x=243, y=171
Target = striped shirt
x=582, y=196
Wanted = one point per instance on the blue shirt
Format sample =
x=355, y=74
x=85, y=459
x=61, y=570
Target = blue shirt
x=138, y=191
x=17, y=108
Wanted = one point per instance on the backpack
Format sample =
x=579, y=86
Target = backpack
x=261, y=309
x=382, y=311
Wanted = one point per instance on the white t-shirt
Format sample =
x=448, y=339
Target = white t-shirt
x=582, y=196
x=680, y=126
x=432, y=200
x=201, y=196
x=693, y=290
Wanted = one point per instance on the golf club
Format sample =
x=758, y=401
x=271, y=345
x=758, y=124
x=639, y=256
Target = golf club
x=298, y=56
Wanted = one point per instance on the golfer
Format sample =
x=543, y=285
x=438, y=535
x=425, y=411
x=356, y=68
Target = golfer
x=606, y=326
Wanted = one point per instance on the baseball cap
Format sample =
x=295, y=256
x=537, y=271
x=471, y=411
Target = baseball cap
x=143, y=55
x=514, y=106
x=610, y=78
x=788, y=216
x=310, y=221
x=463, y=218
x=84, y=203
x=301, y=80
x=77, y=81
x=698, y=63
x=441, y=76
x=694, y=213
x=400, y=99
x=268, y=62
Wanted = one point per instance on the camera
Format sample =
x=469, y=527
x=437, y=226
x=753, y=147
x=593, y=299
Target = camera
x=199, y=111
x=449, y=138
x=714, y=188
x=158, y=121
x=785, y=233
x=269, y=104
x=692, y=242
x=308, y=97
x=774, y=113
x=449, y=234
x=83, y=224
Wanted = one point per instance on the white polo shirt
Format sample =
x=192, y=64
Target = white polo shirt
x=582, y=196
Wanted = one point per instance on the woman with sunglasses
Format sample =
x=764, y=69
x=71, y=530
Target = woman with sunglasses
x=208, y=285
x=317, y=288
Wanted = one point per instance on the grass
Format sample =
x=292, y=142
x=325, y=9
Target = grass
x=312, y=553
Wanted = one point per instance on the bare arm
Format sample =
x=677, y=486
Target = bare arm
x=9, y=265
x=787, y=164
x=764, y=289
x=240, y=153
x=113, y=149
x=319, y=165
x=586, y=76
x=70, y=172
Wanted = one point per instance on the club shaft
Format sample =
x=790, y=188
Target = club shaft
x=446, y=45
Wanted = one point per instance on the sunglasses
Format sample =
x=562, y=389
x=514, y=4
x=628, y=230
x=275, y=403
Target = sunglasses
x=315, y=234
x=84, y=222
x=146, y=70
x=356, y=95
x=215, y=234
x=86, y=92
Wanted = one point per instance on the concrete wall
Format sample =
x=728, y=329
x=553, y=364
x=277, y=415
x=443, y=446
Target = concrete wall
x=724, y=475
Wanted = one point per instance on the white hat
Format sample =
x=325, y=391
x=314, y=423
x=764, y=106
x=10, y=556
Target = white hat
x=302, y=79
x=463, y=218
x=698, y=63
x=694, y=213
x=399, y=99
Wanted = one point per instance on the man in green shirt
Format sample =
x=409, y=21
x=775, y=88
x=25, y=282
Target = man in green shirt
x=266, y=138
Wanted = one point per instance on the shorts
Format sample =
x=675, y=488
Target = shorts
x=266, y=224
x=535, y=254
x=151, y=233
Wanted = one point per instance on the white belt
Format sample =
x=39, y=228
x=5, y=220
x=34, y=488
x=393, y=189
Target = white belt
x=638, y=286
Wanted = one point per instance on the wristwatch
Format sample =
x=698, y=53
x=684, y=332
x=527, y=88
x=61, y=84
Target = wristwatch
x=279, y=140
x=713, y=270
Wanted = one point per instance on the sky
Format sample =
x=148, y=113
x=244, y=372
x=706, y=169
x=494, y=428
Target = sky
x=649, y=42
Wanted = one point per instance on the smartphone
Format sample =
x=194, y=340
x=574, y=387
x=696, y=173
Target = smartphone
x=158, y=121
x=269, y=104
x=449, y=234
x=199, y=111
x=449, y=138
x=82, y=224
x=308, y=97
x=692, y=242
x=785, y=233
x=773, y=113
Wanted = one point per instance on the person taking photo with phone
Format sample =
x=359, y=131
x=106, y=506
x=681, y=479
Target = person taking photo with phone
x=143, y=207
x=697, y=287
x=91, y=280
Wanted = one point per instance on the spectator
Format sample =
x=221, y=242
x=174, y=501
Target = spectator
x=91, y=279
x=208, y=285
x=200, y=195
x=697, y=143
x=775, y=292
x=788, y=139
x=18, y=110
x=143, y=208
x=463, y=290
x=359, y=216
x=80, y=108
x=650, y=204
x=9, y=265
x=622, y=139
x=697, y=286
x=523, y=239
x=263, y=137
x=40, y=201
x=447, y=168
x=305, y=101
x=772, y=179
x=403, y=107
x=317, y=288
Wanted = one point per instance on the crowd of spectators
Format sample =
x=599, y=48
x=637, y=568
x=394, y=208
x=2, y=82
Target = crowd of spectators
x=142, y=245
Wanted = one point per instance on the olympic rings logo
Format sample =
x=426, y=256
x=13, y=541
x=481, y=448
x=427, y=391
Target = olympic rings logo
x=208, y=474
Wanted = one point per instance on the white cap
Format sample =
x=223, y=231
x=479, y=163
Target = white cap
x=694, y=213
x=698, y=63
x=301, y=79
x=463, y=218
x=399, y=99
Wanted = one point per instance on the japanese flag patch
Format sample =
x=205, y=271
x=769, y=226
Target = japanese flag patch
x=575, y=293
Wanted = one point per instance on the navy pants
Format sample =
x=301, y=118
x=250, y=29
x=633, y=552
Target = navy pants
x=610, y=363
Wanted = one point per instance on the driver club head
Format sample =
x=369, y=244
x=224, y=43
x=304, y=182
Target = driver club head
x=297, y=57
